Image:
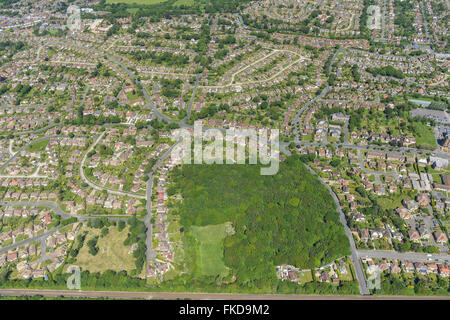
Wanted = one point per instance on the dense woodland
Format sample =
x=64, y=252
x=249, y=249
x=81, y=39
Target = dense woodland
x=286, y=218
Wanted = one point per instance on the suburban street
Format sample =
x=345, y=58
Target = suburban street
x=375, y=147
x=408, y=256
x=26, y=146
x=28, y=241
x=95, y=186
x=151, y=254
x=354, y=256
x=191, y=102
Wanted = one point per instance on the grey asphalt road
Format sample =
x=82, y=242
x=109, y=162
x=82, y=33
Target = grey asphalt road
x=27, y=241
x=44, y=256
x=151, y=254
x=191, y=102
x=57, y=209
x=3, y=166
x=407, y=256
x=373, y=147
x=98, y=187
x=303, y=109
x=39, y=204
x=159, y=115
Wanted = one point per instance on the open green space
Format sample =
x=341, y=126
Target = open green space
x=38, y=146
x=210, y=239
x=391, y=202
x=112, y=254
x=424, y=136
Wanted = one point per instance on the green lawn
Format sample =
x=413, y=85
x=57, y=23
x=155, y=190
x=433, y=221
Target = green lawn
x=132, y=96
x=38, y=146
x=305, y=276
x=424, y=136
x=210, y=239
x=307, y=137
x=391, y=202
x=349, y=275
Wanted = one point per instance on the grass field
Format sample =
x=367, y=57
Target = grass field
x=425, y=136
x=210, y=239
x=112, y=254
x=391, y=202
x=38, y=146
x=132, y=97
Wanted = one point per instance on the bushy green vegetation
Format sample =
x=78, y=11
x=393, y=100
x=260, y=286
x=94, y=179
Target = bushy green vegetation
x=388, y=71
x=9, y=48
x=91, y=119
x=404, y=18
x=69, y=221
x=7, y=3
x=80, y=243
x=89, y=281
x=171, y=88
x=137, y=235
x=92, y=245
x=166, y=58
x=136, y=1
x=287, y=218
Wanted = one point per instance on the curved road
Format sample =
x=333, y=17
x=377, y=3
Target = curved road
x=3, y=166
x=95, y=186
